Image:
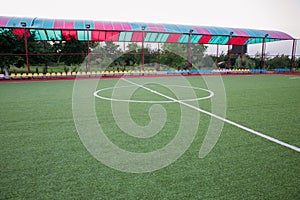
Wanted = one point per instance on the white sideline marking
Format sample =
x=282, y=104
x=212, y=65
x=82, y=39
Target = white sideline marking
x=220, y=118
x=295, y=77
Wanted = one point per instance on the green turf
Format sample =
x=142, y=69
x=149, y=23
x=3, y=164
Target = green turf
x=42, y=156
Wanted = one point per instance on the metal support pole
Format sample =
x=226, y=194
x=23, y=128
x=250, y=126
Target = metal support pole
x=262, y=62
x=143, y=53
x=26, y=46
x=158, y=57
x=217, y=55
x=229, y=52
x=124, y=58
x=228, y=55
x=88, y=50
x=263, y=54
x=293, y=54
x=189, y=50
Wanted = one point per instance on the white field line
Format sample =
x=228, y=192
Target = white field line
x=220, y=118
x=295, y=77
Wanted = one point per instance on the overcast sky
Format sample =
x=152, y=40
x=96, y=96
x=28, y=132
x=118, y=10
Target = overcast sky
x=282, y=15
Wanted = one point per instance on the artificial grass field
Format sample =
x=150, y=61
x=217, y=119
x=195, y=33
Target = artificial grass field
x=42, y=156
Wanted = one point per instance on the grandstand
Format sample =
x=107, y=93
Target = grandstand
x=99, y=31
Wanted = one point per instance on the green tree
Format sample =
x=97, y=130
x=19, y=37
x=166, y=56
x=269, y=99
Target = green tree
x=131, y=54
x=113, y=52
x=108, y=55
x=244, y=61
x=147, y=55
x=42, y=52
x=14, y=48
x=278, y=62
x=73, y=52
x=7, y=44
x=175, y=55
x=198, y=51
x=297, y=64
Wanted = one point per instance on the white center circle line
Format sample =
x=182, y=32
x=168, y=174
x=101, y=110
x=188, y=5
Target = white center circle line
x=96, y=94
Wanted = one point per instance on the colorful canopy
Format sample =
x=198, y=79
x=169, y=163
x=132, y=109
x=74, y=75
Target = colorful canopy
x=83, y=30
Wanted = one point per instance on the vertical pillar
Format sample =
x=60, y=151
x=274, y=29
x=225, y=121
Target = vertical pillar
x=189, y=51
x=229, y=52
x=217, y=55
x=143, y=53
x=229, y=56
x=263, y=52
x=88, y=50
x=26, y=46
x=158, y=56
x=124, y=56
x=293, y=54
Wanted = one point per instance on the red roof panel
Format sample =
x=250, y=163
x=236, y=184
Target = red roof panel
x=112, y=36
x=238, y=40
x=68, y=34
x=205, y=39
x=173, y=38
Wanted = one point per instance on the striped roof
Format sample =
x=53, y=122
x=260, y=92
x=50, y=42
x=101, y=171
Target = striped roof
x=83, y=30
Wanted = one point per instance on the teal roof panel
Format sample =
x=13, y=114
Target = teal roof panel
x=53, y=29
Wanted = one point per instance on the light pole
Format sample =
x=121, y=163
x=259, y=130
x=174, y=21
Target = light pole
x=217, y=55
x=189, y=50
x=158, y=56
x=262, y=62
x=293, y=54
x=124, y=58
x=229, y=52
x=88, y=26
x=143, y=53
x=23, y=24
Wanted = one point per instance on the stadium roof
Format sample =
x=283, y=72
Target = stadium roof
x=83, y=30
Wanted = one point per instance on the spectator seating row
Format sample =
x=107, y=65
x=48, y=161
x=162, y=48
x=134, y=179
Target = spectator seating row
x=209, y=71
x=258, y=71
x=79, y=74
x=282, y=70
x=138, y=73
x=231, y=71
